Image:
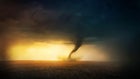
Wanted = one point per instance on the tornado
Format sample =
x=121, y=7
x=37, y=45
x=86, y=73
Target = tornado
x=78, y=43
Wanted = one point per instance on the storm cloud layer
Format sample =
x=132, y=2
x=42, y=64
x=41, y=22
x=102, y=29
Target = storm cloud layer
x=110, y=24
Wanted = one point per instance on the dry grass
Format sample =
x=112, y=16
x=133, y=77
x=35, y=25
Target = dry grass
x=62, y=70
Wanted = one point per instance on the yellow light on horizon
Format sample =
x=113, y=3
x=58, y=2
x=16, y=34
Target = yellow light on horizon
x=39, y=51
x=54, y=51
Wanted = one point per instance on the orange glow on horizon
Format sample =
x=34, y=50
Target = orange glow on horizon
x=53, y=51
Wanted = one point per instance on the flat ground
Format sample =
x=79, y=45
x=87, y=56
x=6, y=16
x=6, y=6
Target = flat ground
x=59, y=70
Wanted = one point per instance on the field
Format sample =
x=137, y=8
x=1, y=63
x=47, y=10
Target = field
x=59, y=70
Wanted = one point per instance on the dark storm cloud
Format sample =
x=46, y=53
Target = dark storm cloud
x=105, y=20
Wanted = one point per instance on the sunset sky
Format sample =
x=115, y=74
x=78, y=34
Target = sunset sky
x=100, y=30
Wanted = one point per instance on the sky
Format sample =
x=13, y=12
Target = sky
x=112, y=25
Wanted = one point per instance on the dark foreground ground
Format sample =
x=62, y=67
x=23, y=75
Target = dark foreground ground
x=59, y=70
